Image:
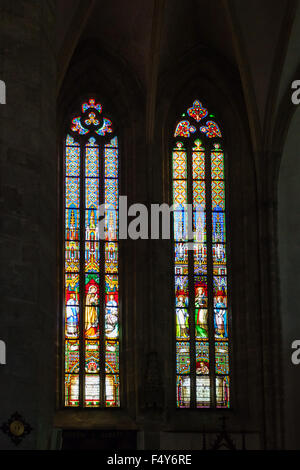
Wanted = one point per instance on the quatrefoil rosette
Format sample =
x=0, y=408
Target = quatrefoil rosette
x=91, y=120
x=197, y=112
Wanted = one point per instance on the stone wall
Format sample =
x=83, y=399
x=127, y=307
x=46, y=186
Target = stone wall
x=289, y=259
x=28, y=216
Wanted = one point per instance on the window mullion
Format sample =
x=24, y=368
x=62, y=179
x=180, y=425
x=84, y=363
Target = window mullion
x=191, y=278
x=81, y=277
x=210, y=287
x=102, y=280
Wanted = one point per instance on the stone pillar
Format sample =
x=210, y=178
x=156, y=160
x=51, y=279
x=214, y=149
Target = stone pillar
x=289, y=258
x=28, y=227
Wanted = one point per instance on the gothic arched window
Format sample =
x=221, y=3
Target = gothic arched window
x=200, y=261
x=91, y=260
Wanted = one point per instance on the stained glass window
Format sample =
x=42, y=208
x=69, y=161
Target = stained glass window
x=91, y=261
x=200, y=262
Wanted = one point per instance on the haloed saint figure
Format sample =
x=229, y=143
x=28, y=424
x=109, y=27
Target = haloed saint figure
x=72, y=315
x=220, y=317
x=91, y=317
x=111, y=318
x=182, y=316
x=201, y=312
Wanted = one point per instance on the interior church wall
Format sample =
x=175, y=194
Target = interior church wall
x=153, y=413
x=145, y=71
x=28, y=215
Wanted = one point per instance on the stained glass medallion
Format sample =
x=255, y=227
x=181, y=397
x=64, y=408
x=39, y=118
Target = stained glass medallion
x=200, y=263
x=91, y=265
